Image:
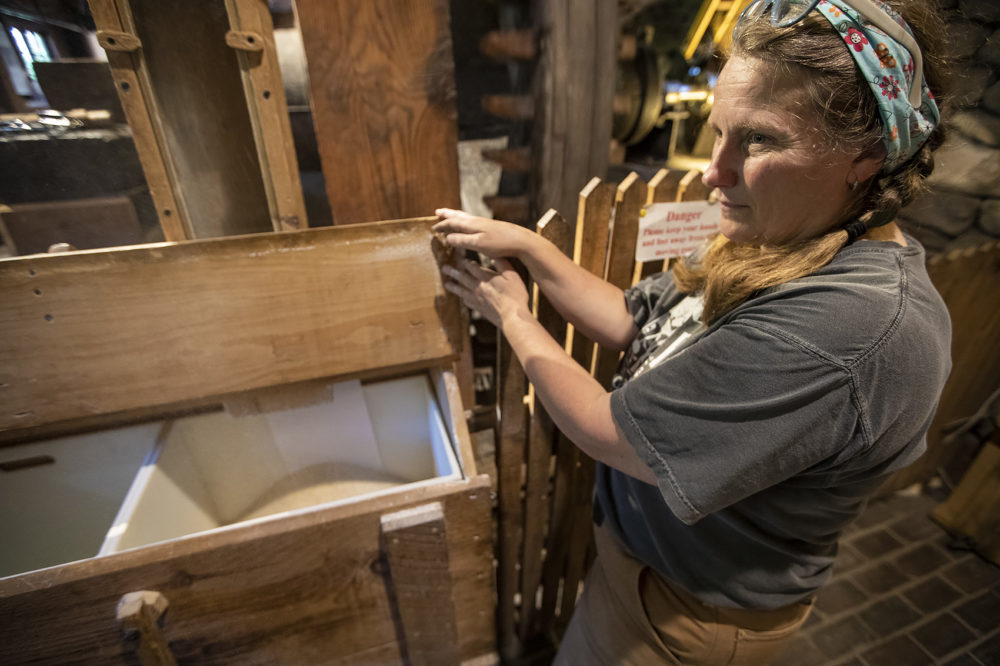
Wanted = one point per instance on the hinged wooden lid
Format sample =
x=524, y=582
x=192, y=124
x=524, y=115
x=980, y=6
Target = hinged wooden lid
x=105, y=331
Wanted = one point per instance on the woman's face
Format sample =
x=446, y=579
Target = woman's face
x=778, y=179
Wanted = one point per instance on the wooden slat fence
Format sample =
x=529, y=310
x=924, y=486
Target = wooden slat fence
x=545, y=482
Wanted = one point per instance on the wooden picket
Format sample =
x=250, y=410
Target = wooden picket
x=545, y=483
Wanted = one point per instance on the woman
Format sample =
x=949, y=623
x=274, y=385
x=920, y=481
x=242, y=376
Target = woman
x=771, y=383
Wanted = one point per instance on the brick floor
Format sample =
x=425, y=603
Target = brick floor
x=904, y=593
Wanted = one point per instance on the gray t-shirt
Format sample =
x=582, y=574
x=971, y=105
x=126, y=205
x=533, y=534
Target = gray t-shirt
x=768, y=431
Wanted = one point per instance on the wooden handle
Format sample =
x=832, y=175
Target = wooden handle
x=114, y=40
x=139, y=614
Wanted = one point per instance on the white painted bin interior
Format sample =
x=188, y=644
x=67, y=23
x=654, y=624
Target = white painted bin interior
x=214, y=470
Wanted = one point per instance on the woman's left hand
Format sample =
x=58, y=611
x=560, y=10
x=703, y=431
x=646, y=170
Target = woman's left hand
x=495, y=294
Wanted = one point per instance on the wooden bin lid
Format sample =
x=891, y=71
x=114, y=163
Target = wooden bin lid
x=105, y=331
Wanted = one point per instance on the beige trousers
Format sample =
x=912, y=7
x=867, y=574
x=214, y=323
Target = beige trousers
x=628, y=614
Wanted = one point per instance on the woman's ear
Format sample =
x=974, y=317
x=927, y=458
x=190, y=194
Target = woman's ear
x=867, y=164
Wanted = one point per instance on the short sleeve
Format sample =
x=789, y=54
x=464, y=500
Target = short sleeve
x=739, y=411
x=649, y=296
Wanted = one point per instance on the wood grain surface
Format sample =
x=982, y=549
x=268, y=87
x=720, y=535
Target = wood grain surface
x=307, y=588
x=89, y=333
x=382, y=86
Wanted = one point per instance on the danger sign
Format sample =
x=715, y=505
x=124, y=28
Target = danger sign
x=675, y=229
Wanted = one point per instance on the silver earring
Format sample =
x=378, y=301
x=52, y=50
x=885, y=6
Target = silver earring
x=852, y=185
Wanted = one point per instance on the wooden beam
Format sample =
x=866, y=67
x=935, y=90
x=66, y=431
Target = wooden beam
x=87, y=333
x=381, y=79
x=574, y=89
x=268, y=108
x=135, y=91
x=541, y=440
x=416, y=546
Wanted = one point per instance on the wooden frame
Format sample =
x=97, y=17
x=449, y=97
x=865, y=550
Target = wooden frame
x=163, y=57
x=109, y=331
x=255, y=321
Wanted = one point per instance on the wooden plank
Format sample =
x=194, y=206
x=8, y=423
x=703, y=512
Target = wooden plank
x=541, y=439
x=691, y=188
x=450, y=402
x=268, y=109
x=88, y=333
x=629, y=200
x=574, y=91
x=662, y=188
x=198, y=96
x=381, y=78
x=973, y=510
x=136, y=94
x=512, y=386
x=83, y=223
x=967, y=281
x=309, y=587
x=416, y=545
x=589, y=250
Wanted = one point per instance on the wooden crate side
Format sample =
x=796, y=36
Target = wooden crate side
x=415, y=541
x=382, y=90
x=88, y=333
x=307, y=588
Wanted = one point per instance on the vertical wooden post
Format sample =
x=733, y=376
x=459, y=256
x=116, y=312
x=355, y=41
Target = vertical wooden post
x=589, y=250
x=116, y=33
x=512, y=387
x=541, y=436
x=416, y=546
x=252, y=36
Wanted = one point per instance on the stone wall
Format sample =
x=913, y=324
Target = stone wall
x=962, y=208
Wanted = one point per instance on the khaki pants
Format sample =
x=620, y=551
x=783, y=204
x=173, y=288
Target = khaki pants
x=629, y=614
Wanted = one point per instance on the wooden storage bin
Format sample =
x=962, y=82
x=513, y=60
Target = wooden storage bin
x=257, y=448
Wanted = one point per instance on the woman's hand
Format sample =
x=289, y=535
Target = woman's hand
x=491, y=237
x=496, y=294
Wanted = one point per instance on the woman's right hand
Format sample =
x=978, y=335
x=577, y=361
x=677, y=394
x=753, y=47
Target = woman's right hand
x=493, y=238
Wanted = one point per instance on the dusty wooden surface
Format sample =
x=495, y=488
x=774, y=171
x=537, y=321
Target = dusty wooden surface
x=199, y=99
x=381, y=79
x=90, y=333
x=309, y=588
x=83, y=223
